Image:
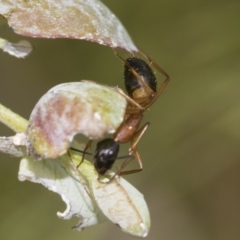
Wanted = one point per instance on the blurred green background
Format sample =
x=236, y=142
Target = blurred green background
x=191, y=151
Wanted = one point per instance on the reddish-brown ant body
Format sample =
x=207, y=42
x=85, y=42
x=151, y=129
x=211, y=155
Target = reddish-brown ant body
x=141, y=86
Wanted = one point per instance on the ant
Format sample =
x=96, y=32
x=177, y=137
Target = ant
x=141, y=86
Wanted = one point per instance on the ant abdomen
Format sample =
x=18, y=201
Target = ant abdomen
x=132, y=81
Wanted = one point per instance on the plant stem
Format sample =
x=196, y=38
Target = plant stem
x=12, y=120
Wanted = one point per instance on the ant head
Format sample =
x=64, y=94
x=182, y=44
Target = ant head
x=105, y=155
x=136, y=70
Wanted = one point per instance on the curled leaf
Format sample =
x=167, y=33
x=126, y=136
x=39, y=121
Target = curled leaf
x=118, y=200
x=70, y=108
x=80, y=19
x=59, y=177
x=88, y=198
x=123, y=204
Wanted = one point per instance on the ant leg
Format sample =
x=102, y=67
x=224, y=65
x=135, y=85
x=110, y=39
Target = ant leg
x=155, y=65
x=130, y=100
x=143, y=83
x=88, y=145
x=159, y=91
x=138, y=135
x=158, y=68
x=77, y=174
x=133, y=153
x=120, y=91
x=125, y=163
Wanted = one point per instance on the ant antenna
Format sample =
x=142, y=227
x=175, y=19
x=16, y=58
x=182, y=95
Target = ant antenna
x=78, y=150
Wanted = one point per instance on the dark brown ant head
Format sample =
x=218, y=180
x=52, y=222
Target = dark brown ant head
x=105, y=155
x=133, y=79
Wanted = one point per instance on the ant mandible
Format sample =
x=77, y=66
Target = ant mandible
x=141, y=86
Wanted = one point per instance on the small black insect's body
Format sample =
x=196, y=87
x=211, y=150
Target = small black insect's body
x=141, y=86
x=132, y=82
x=105, y=155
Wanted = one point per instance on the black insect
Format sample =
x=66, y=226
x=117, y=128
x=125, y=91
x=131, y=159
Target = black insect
x=141, y=86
